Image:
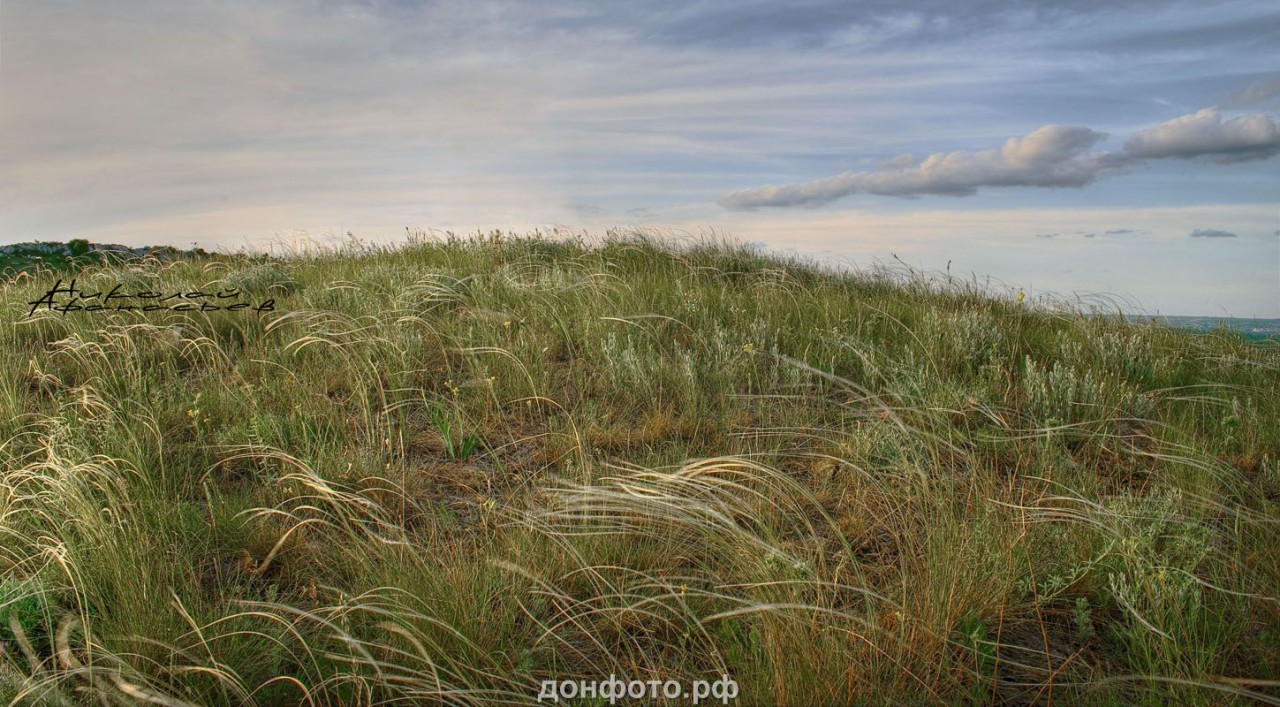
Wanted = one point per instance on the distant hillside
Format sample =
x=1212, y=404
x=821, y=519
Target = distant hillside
x=32, y=255
x=1250, y=328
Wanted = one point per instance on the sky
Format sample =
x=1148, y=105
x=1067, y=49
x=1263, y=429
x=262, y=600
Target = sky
x=1124, y=150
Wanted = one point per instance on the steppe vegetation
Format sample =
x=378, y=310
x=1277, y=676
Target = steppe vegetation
x=449, y=471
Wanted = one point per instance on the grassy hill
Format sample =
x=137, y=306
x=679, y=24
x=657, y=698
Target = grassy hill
x=452, y=471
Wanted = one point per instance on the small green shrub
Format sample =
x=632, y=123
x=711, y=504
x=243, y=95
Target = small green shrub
x=457, y=446
x=26, y=603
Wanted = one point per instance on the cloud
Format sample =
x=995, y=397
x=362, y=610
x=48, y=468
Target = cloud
x=1205, y=135
x=1211, y=233
x=1257, y=93
x=1112, y=233
x=584, y=210
x=1246, y=25
x=1053, y=156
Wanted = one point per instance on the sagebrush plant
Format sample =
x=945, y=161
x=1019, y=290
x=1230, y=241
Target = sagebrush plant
x=448, y=471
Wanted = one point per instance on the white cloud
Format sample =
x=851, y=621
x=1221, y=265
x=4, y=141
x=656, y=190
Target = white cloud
x=1053, y=156
x=1205, y=135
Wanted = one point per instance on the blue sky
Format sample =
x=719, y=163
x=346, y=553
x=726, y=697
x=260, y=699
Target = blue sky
x=1072, y=148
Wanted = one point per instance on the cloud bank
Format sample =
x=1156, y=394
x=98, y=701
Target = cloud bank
x=1205, y=135
x=1052, y=156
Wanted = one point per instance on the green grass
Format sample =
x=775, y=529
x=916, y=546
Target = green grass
x=450, y=471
